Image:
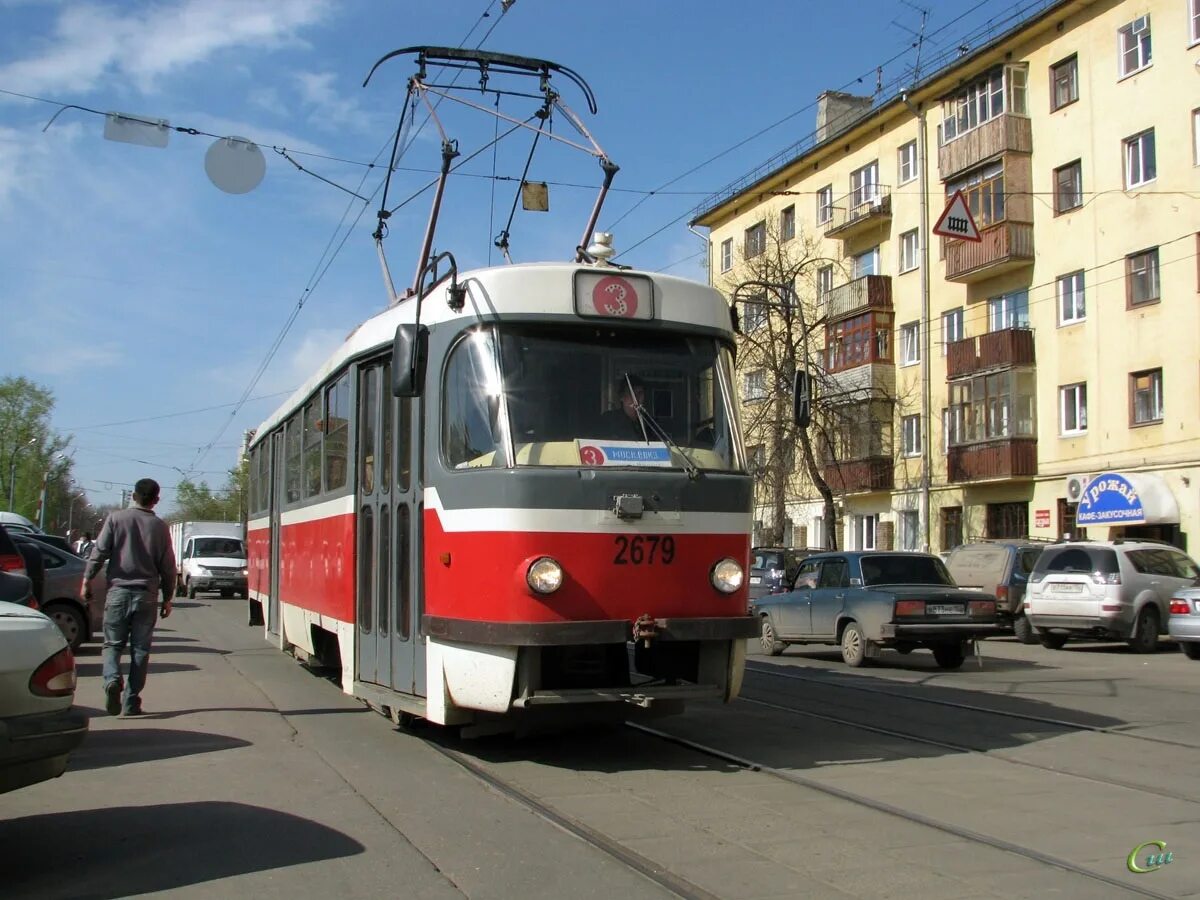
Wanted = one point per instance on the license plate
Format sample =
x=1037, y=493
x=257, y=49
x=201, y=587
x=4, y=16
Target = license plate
x=1068, y=588
x=755, y=579
x=944, y=609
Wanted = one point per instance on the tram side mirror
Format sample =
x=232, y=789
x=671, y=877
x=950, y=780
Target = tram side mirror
x=802, y=399
x=408, y=360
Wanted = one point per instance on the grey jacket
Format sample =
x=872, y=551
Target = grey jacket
x=137, y=547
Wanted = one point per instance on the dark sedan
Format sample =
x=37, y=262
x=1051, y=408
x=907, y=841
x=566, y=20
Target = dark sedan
x=864, y=601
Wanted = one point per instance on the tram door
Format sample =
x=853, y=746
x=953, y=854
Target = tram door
x=275, y=498
x=388, y=652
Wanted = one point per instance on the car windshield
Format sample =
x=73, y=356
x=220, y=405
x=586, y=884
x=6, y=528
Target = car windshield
x=1080, y=560
x=904, y=568
x=229, y=547
x=555, y=395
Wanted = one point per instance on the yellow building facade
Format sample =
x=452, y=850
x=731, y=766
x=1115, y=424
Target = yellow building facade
x=1050, y=371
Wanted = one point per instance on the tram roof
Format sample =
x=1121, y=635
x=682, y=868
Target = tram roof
x=524, y=289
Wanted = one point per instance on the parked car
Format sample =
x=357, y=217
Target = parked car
x=1106, y=590
x=38, y=727
x=18, y=524
x=18, y=589
x=11, y=559
x=865, y=600
x=35, y=564
x=1184, y=624
x=773, y=568
x=1001, y=568
x=62, y=594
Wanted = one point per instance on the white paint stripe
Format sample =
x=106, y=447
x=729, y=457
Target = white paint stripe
x=256, y=524
x=339, y=506
x=583, y=521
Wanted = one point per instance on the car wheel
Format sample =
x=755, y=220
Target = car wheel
x=770, y=643
x=191, y=591
x=1190, y=649
x=854, y=645
x=949, y=656
x=1052, y=641
x=1023, y=631
x=1145, y=635
x=70, y=621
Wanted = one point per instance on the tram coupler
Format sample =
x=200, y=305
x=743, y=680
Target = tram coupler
x=645, y=629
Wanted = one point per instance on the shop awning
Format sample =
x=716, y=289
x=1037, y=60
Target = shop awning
x=1116, y=498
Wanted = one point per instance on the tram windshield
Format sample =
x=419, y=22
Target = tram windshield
x=553, y=395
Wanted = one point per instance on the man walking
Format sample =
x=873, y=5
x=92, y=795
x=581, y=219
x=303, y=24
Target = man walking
x=136, y=545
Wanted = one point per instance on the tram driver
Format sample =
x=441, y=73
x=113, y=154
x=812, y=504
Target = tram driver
x=623, y=422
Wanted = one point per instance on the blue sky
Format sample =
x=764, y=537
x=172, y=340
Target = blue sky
x=140, y=293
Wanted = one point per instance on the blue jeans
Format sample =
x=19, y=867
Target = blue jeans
x=129, y=616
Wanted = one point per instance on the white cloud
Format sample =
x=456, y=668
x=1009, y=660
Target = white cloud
x=92, y=41
x=328, y=108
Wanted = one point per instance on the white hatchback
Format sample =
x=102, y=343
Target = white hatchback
x=38, y=727
x=1106, y=590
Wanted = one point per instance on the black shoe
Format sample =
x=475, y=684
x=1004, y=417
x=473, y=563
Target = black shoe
x=134, y=708
x=112, y=697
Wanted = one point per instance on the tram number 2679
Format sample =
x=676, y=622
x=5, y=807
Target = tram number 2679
x=649, y=550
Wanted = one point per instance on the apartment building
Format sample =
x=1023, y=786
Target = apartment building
x=1044, y=380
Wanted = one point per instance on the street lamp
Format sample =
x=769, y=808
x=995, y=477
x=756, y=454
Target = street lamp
x=12, y=472
x=71, y=509
x=45, y=482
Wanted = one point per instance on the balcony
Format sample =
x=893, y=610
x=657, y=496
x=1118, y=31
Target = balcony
x=994, y=350
x=1002, y=248
x=859, y=295
x=875, y=473
x=1005, y=133
x=1006, y=458
x=868, y=381
x=859, y=210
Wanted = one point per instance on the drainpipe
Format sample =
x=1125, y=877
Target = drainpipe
x=926, y=326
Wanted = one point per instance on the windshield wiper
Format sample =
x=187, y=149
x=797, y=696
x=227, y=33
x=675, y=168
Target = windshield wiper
x=689, y=465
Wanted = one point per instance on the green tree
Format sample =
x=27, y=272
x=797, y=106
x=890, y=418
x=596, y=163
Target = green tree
x=199, y=502
x=30, y=450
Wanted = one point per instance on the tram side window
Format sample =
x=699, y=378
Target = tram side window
x=470, y=428
x=312, y=447
x=337, y=431
x=255, y=479
x=292, y=444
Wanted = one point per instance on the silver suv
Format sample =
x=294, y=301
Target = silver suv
x=1106, y=590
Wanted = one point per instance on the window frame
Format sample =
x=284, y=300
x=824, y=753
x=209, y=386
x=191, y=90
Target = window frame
x=1078, y=297
x=991, y=406
x=1194, y=22
x=859, y=340
x=336, y=389
x=755, y=240
x=906, y=155
x=956, y=315
x=983, y=187
x=1013, y=314
x=1136, y=144
x=726, y=254
x=1196, y=132
x=787, y=223
x=1074, y=167
x=1145, y=58
x=1074, y=397
x=1153, y=270
x=824, y=274
x=991, y=95
x=910, y=338
x=754, y=377
x=825, y=204
x=910, y=265
x=1071, y=65
x=755, y=321
x=1155, y=387
x=910, y=427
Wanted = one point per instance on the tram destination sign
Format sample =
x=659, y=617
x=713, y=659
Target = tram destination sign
x=956, y=220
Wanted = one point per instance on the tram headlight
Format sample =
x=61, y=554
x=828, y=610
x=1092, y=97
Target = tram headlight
x=545, y=575
x=727, y=576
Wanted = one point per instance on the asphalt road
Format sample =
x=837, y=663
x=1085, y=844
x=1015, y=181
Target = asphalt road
x=1031, y=776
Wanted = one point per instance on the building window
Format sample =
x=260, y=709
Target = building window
x=1071, y=308
x=756, y=240
x=1139, y=159
x=1146, y=397
x=1134, y=46
x=1196, y=134
x=825, y=204
x=726, y=254
x=755, y=314
x=1064, y=83
x=787, y=223
x=1008, y=311
x=863, y=530
x=1068, y=187
x=756, y=455
x=1000, y=92
x=1141, y=277
x=1194, y=20
x=952, y=327
x=867, y=263
x=910, y=344
x=983, y=190
x=824, y=282
x=952, y=527
x=816, y=536
x=910, y=429
x=909, y=259
x=907, y=166
x=754, y=385
x=864, y=185
x=859, y=340
x=1006, y=520
x=909, y=522
x=1072, y=409
x=995, y=406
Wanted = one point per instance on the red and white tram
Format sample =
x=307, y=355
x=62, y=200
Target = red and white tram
x=521, y=492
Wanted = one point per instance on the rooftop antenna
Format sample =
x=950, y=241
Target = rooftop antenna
x=918, y=36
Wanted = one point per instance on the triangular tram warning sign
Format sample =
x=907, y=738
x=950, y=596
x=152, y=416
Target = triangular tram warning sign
x=956, y=220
